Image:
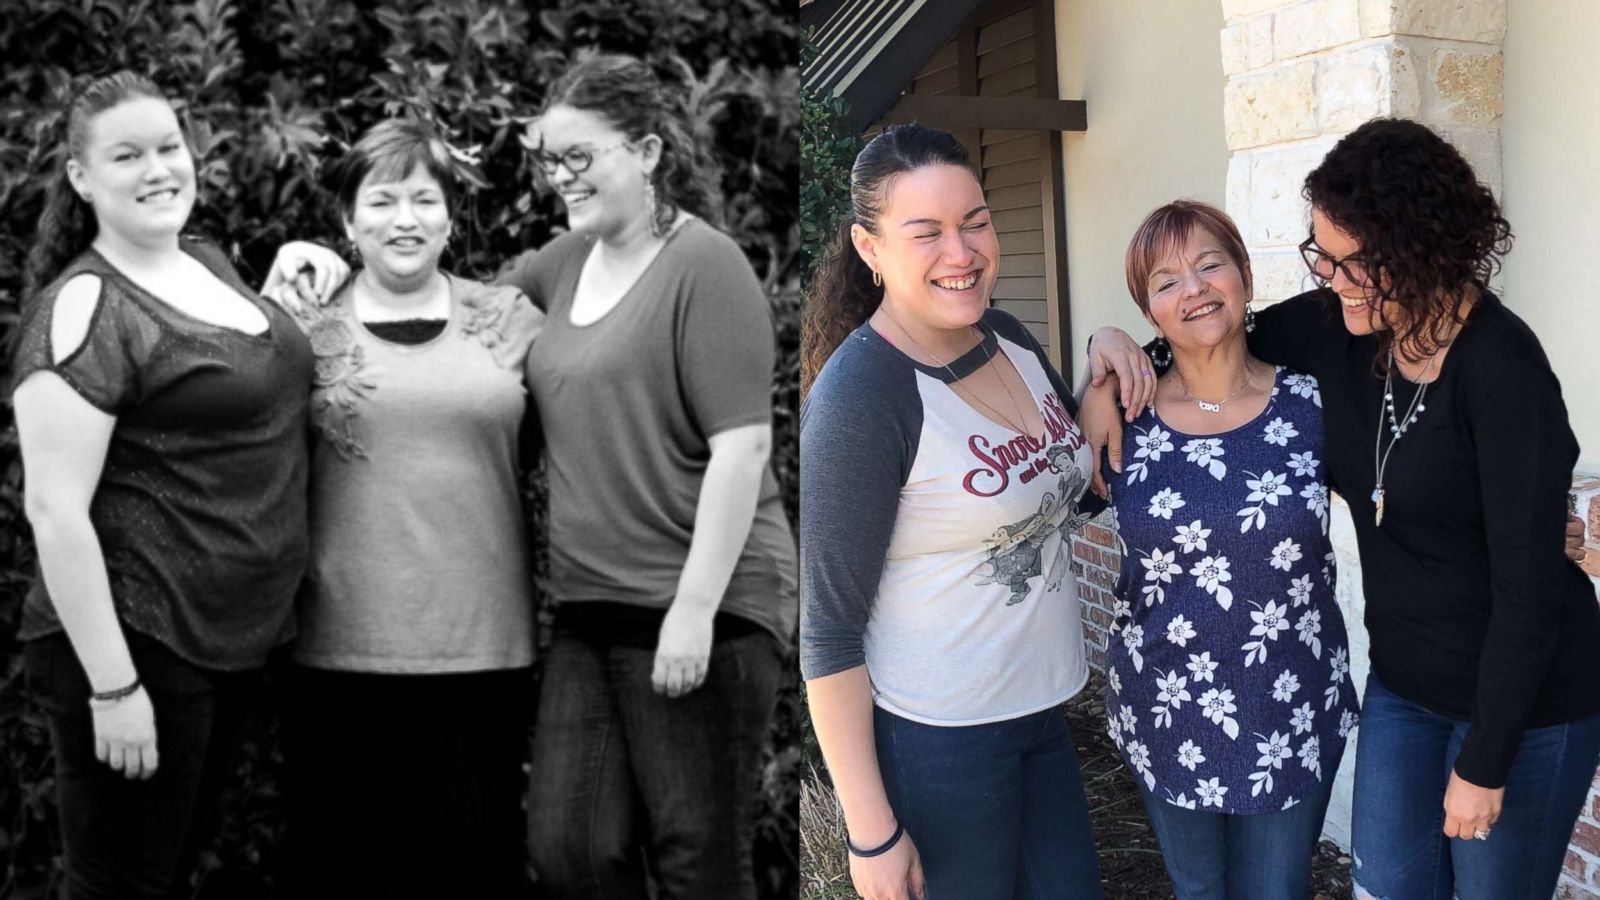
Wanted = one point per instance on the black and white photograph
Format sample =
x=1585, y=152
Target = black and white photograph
x=399, y=470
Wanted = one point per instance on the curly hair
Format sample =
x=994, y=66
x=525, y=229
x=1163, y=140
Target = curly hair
x=67, y=226
x=625, y=92
x=1427, y=227
x=842, y=294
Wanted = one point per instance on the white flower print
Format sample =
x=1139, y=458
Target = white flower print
x=1114, y=679
x=1158, y=569
x=1328, y=569
x=1139, y=758
x=1340, y=665
x=1164, y=502
x=1210, y=792
x=1285, y=555
x=1270, y=620
x=1202, y=667
x=1152, y=444
x=1133, y=639
x=1274, y=750
x=1303, y=386
x=1309, y=626
x=1192, y=537
x=1190, y=755
x=1265, y=490
x=1180, y=630
x=1284, y=687
x=1316, y=496
x=1290, y=802
x=1278, y=432
x=1347, y=720
x=1172, y=689
x=1206, y=453
x=1180, y=800
x=1115, y=730
x=1211, y=573
x=1121, y=609
x=1302, y=717
x=1303, y=464
x=1310, y=756
x=1130, y=722
x=1300, y=591
x=1216, y=704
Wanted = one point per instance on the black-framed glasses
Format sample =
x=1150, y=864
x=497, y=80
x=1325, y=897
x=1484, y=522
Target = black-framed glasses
x=576, y=159
x=1323, y=264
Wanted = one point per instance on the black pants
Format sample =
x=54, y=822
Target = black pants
x=404, y=785
x=138, y=839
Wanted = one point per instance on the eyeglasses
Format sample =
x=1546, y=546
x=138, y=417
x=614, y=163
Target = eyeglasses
x=1323, y=264
x=576, y=159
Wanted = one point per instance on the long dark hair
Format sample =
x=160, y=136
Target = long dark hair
x=624, y=91
x=67, y=227
x=1424, y=222
x=842, y=294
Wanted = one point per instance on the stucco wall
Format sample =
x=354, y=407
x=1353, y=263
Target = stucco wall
x=1550, y=137
x=1151, y=75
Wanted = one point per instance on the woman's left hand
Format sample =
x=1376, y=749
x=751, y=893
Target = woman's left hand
x=1113, y=351
x=1470, y=810
x=683, y=652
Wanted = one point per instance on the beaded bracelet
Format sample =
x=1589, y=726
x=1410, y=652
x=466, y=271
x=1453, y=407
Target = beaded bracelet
x=118, y=694
x=881, y=848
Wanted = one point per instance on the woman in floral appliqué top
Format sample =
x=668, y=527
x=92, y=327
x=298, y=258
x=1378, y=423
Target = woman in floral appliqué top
x=1229, y=694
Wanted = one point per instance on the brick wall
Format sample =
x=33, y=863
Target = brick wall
x=1580, y=879
x=1096, y=561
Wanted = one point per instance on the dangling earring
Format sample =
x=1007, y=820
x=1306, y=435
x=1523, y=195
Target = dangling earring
x=650, y=208
x=1249, y=317
x=1162, y=354
x=877, y=278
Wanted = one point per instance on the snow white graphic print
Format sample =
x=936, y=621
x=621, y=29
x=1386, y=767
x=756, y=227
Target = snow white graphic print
x=1017, y=551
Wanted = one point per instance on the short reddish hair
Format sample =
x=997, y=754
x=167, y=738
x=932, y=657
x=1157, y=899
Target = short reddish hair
x=1168, y=228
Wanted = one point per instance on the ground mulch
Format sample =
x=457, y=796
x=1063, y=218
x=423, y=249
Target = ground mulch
x=1130, y=859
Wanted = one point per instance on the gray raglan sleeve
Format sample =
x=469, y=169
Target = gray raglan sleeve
x=859, y=428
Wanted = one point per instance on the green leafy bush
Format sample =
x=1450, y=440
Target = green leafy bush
x=274, y=90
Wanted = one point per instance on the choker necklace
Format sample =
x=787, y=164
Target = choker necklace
x=1015, y=406
x=1397, y=427
x=1207, y=405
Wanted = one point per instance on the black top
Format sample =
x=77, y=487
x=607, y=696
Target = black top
x=201, y=506
x=407, y=331
x=1472, y=608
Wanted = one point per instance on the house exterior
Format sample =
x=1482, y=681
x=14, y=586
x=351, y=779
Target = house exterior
x=1233, y=102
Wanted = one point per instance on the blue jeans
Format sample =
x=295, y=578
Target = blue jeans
x=997, y=811
x=1216, y=856
x=1403, y=763
x=625, y=780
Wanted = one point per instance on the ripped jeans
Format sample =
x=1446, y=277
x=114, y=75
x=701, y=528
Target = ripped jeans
x=1403, y=762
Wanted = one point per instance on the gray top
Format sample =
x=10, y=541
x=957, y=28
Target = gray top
x=627, y=405
x=935, y=542
x=419, y=561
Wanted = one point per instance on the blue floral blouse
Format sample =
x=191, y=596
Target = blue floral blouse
x=1228, y=668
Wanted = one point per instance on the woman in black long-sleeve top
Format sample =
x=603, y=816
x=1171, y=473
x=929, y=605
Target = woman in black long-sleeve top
x=1447, y=435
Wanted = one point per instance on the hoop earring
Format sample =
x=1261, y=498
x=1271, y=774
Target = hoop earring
x=877, y=278
x=1161, y=353
x=1249, y=318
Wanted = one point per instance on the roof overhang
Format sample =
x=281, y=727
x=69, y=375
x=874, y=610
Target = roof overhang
x=868, y=50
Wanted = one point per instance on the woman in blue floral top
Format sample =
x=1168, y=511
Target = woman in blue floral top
x=1229, y=692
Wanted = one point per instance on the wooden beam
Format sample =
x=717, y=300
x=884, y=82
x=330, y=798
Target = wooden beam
x=1052, y=185
x=990, y=112
x=967, y=72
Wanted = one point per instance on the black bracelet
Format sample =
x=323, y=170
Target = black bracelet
x=882, y=848
x=118, y=694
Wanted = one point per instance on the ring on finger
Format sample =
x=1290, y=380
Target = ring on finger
x=1480, y=834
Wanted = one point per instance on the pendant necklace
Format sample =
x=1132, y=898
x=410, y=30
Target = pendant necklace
x=1015, y=406
x=1207, y=405
x=1397, y=427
